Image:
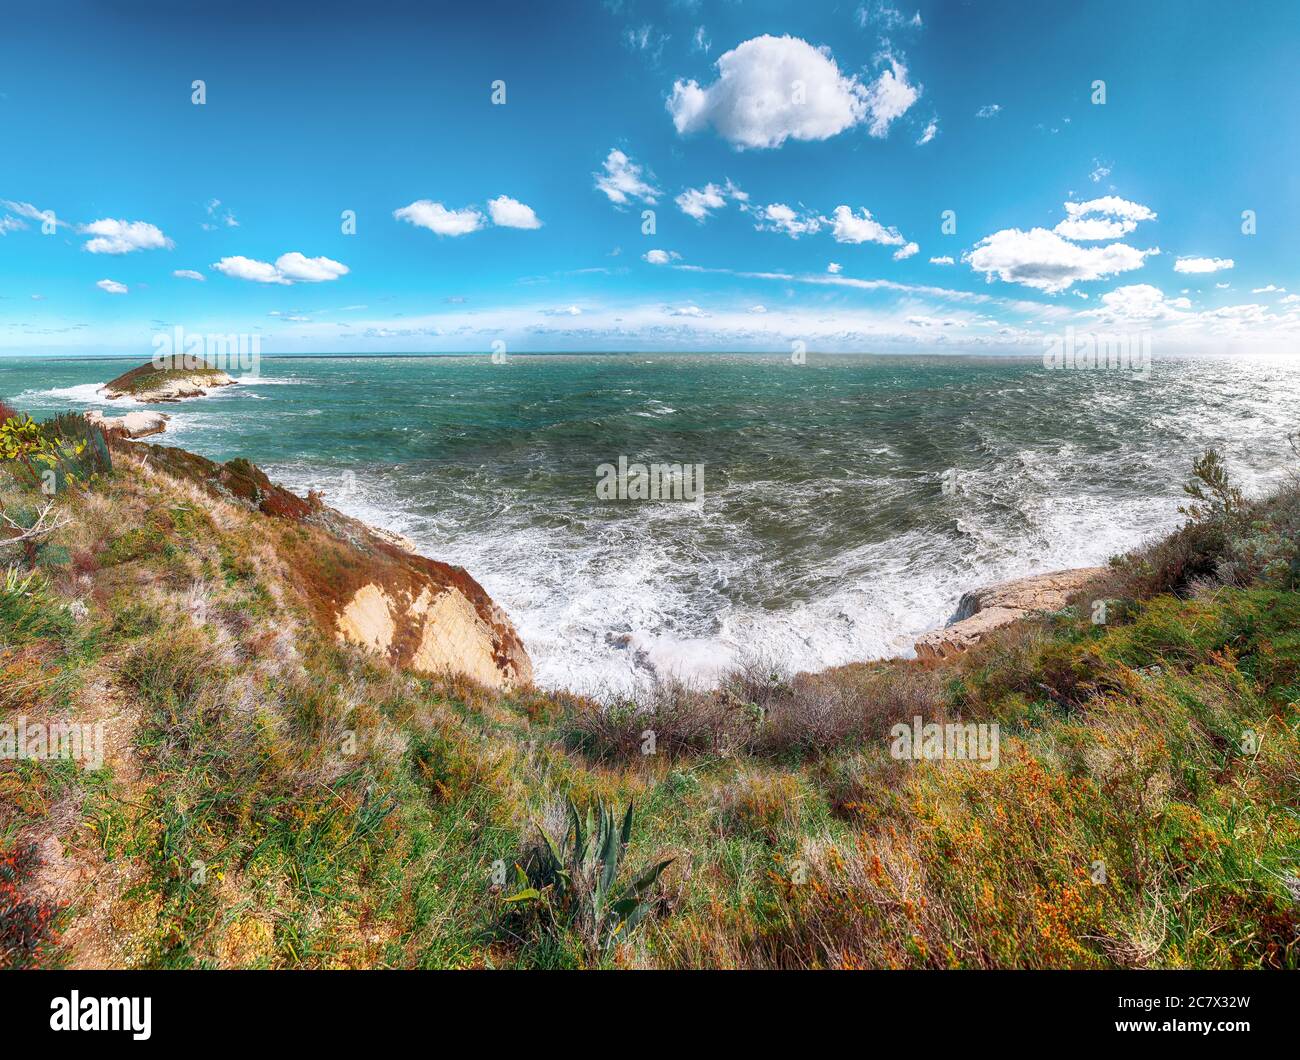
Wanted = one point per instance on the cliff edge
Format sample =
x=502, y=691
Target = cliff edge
x=363, y=586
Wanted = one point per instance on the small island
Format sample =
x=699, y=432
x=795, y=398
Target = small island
x=168, y=379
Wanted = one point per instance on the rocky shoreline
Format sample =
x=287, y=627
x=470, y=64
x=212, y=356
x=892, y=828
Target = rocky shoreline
x=992, y=607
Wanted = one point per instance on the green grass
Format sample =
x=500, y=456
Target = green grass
x=288, y=802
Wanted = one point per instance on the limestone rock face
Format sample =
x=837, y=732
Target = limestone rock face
x=132, y=425
x=984, y=610
x=438, y=631
x=364, y=586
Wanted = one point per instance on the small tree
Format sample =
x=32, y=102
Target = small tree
x=1216, y=498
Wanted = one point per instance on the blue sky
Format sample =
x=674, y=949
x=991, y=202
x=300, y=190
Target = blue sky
x=799, y=160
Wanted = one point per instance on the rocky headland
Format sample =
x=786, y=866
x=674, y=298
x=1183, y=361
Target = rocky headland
x=169, y=379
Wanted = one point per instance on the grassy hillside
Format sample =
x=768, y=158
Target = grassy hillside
x=270, y=798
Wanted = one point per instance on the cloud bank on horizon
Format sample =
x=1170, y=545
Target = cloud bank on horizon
x=886, y=177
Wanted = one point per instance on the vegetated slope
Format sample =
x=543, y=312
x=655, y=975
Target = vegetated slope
x=271, y=796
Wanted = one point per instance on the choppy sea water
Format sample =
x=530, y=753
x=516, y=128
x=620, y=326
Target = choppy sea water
x=847, y=503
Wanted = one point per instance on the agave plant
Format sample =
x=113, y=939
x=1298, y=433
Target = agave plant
x=576, y=880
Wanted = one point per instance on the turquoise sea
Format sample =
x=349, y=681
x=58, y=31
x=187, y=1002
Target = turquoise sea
x=847, y=503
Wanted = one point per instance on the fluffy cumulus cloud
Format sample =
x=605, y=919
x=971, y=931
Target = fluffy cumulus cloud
x=945, y=260
x=624, y=181
x=699, y=203
x=1094, y=228
x=424, y=213
x=660, y=257
x=1108, y=217
x=511, y=213
x=861, y=227
x=1200, y=265
x=1140, y=301
x=772, y=89
x=121, y=237
x=1043, y=260
x=905, y=252
x=289, y=268
x=1049, y=260
x=928, y=133
x=112, y=286
x=778, y=217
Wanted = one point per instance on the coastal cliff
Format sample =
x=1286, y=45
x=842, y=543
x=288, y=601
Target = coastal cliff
x=361, y=585
x=304, y=746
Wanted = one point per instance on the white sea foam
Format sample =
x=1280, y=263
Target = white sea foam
x=604, y=610
x=82, y=394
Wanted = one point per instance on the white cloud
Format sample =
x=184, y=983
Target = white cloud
x=699, y=202
x=625, y=180
x=905, y=252
x=700, y=42
x=242, y=268
x=1290, y=299
x=889, y=97
x=778, y=217
x=687, y=311
x=122, y=237
x=425, y=213
x=11, y=224
x=945, y=260
x=834, y=267
x=886, y=17
x=850, y=228
x=929, y=132
x=214, y=205
x=1043, y=260
x=189, y=274
x=758, y=309
x=1141, y=301
x=1199, y=265
x=289, y=268
x=646, y=39
x=511, y=213
x=1111, y=206
x=298, y=268
x=1089, y=228
x=112, y=286
x=771, y=89
x=1270, y=289
x=563, y=311
x=989, y=110
x=660, y=257
x=26, y=209
x=1100, y=171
